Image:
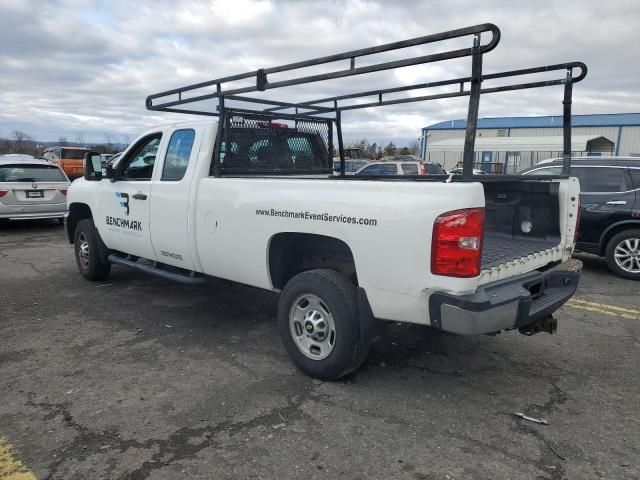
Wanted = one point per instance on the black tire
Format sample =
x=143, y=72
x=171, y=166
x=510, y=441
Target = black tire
x=339, y=295
x=91, y=266
x=610, y=252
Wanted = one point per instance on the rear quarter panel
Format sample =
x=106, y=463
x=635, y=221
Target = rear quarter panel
x=392, y=253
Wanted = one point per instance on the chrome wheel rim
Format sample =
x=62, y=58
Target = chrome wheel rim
x=627, y=255
x=312, y=327
x=83, y=250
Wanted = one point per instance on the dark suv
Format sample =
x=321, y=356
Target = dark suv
x=610, y=212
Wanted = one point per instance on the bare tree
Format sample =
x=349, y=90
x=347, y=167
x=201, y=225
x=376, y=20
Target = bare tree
x=63, y=142
x=21, y=142
x=80, y=139
x=414, y=148
x=390, y=149
x=126, y=139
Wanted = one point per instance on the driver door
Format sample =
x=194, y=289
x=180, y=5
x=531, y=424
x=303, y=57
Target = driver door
x=124, y=203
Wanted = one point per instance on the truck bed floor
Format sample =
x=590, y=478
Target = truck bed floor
x=500, y=248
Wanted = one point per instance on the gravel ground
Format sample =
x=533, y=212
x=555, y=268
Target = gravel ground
x=136, y=377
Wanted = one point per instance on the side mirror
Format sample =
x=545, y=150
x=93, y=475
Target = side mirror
x=92, y=166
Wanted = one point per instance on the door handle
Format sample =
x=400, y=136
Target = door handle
x=617, y=202
x=140, y=196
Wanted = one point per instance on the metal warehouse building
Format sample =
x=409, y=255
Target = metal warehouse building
x=509, y=144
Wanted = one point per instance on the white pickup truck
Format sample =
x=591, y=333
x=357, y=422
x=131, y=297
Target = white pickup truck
x=253, y=200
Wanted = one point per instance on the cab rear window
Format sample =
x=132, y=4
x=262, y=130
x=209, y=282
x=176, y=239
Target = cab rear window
x=252, y=144
x=31, y=173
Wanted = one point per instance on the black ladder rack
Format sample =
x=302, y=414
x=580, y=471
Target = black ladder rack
x=329, y=109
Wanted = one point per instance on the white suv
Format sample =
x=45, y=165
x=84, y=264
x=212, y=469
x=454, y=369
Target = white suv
x=32, y=189
x=400, y=167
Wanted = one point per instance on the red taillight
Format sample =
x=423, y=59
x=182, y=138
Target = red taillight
x=3, y=192
x=421, y=169
x=456, y=247
x=575, y=235
x=63, y=191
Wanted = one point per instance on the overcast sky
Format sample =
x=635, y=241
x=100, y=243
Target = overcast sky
x=83, y=68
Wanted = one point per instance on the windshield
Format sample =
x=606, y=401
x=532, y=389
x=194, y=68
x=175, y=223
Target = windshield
x=73, y=154
x=31, y=173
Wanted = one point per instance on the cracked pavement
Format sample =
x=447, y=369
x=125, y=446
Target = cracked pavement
x=137, y=377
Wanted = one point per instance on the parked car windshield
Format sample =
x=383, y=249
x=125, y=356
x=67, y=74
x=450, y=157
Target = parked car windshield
x=31, y=173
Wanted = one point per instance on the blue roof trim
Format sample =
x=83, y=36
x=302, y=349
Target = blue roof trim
x=596, y=120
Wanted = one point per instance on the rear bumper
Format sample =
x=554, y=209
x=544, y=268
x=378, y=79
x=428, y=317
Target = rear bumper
x=53, y=210
x=506, y=304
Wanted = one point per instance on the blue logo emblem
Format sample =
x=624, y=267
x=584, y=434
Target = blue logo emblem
x=124, y=201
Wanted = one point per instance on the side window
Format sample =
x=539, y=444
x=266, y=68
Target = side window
x=548, y=171
x=601, y=179
x=139, y=164
x=370, y=170
x=178, y=153
x=388, y=169
x=410, y=168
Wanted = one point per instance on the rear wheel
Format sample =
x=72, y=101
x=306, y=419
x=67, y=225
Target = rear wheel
x=623, y=254
x=88, y=258
x=319, y=324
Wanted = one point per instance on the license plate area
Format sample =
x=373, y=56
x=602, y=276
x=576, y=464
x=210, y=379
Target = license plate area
x=35, y=193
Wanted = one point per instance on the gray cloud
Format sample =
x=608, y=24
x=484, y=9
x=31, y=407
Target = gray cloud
x=75, y=66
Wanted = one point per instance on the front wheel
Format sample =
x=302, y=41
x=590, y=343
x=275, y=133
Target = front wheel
x=88, y=258
x=319, y=324
x=623, y=254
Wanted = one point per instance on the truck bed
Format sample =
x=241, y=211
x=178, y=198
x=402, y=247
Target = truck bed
x=501, y=248
x=512, y=206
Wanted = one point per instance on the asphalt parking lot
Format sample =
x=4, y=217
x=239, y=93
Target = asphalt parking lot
x=136, y=377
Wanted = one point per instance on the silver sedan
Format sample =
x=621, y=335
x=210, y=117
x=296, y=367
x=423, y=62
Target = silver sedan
x=32, y=188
